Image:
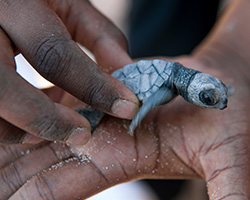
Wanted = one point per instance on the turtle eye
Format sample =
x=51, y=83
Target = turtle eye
x=208, y=97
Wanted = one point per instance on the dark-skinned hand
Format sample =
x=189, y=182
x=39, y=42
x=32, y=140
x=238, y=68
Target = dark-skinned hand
x=178, y=140
x=46, y=32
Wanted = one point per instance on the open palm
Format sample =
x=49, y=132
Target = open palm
x=178, y=140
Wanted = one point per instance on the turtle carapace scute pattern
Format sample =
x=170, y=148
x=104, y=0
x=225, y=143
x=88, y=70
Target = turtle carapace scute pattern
x=156, y=82
x=144, y=77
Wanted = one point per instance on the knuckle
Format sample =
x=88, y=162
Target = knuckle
x=52, y=57
x=43, y=188
x=11, y=178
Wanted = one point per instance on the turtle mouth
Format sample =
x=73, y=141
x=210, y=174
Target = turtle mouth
x=224, y=105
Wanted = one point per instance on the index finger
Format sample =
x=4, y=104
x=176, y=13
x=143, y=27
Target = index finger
x=95, y=31
x=45, y=42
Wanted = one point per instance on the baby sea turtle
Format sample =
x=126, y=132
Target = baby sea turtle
x=157, y=82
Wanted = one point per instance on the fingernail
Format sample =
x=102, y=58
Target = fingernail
x=80, y=136
x=124, y=109
x=30, y=139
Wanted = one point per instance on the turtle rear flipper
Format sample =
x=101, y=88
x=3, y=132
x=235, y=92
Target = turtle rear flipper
x=163, y=96
x=93, y=115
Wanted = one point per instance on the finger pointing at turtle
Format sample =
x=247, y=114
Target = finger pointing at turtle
x=39, y=33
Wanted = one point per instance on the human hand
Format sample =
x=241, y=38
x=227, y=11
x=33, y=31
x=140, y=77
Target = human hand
x=46, y=32
x=178, y=140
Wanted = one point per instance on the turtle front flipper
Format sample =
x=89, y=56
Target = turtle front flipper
x=160, y=97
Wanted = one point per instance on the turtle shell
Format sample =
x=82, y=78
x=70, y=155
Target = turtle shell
x=144, y=77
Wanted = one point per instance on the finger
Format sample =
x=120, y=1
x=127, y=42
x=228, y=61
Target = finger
x=10, y=134
x=93, y=30
x=14, y=175
x=54, y=93
x=31, y=139
x=32, y=111
x=59, y=96
x=47, y=45
x=11, y=153
x=85, y=176
x=110, y=157
x=84, y=179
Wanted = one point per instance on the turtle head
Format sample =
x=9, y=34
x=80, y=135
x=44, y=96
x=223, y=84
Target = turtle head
x=207, y=91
